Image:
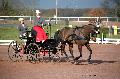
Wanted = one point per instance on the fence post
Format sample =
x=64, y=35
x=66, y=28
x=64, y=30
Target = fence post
x=30, y=19
x=102, y=38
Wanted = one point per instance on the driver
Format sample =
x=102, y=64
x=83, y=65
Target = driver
x=38, y=30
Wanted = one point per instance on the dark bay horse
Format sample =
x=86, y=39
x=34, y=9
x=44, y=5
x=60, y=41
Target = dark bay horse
x=78, y=35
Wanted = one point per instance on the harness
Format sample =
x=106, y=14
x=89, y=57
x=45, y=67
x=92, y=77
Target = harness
x=74, y=36
x=79, y=36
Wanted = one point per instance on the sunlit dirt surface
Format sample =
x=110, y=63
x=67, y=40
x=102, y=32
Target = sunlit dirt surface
x=105, y=65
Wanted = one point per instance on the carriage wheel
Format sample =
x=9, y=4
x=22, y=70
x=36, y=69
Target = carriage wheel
x=55, y=57
x=33, y=51
x=15, y=51
x=44, y=55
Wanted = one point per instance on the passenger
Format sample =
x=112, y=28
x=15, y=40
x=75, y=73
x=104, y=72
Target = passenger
x=38, y=30
x=22, y=27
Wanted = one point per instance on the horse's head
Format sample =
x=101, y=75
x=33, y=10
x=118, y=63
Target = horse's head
x=97, y=23
x=90, y=32
x=95, y=30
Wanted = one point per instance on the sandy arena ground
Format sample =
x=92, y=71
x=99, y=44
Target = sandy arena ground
x=105, y=65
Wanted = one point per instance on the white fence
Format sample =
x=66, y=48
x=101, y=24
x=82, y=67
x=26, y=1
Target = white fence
x=107, y=41
x=5, y=42
x=59, y=18
x=98, y=41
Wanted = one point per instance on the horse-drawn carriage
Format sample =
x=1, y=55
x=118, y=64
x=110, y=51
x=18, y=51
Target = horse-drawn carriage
x=32, y=50
x=37, y=51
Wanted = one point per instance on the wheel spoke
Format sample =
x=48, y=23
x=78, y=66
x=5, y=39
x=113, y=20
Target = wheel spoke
x=32, y=50
x=13, y=51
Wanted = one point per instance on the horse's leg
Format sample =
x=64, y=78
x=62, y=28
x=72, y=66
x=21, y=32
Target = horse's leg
x=63, y=50
x=71, y=51
x=80, y=50
x=88, y=47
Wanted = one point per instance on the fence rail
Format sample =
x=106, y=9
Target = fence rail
x=98, y=41
x=107, y=41
x=79, y=20
x=58, y=18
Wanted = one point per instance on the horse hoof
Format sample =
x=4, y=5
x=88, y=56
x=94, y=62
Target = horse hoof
x=76, y=63
x=89, y=62
x=72, y=61
x=67, y=59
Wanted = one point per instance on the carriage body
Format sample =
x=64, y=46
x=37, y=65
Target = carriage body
x=33, y=50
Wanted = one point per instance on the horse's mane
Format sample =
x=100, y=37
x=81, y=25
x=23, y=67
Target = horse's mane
x=77, y=27
x=89, y=26
x=84, y=26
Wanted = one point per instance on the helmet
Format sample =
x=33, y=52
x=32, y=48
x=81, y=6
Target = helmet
x=20, y=19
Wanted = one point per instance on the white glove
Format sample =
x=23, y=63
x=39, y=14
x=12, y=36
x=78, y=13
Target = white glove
x=24, y=34
x=43, y=41
x=20, y=36
x=29, y=35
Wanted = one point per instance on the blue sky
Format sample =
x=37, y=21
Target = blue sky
x=46, y=4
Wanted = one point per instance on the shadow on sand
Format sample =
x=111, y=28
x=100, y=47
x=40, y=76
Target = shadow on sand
x=85, y=62
x=94, y=62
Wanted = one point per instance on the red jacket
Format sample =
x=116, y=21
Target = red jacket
x=41, y=35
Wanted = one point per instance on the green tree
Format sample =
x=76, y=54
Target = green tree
x=14, y=7
x=6, y=9
x=113, y=5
